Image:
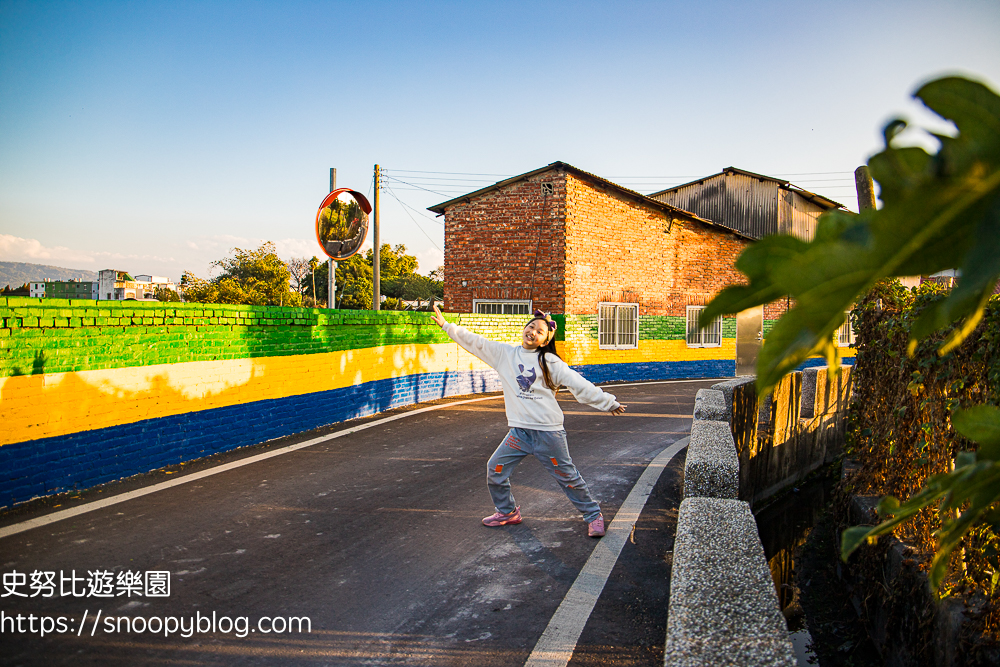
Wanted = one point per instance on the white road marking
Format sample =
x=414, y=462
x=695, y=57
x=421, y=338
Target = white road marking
x=121, y=498
x=556, y=645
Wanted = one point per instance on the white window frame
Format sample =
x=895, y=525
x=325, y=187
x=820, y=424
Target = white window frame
x=617, y=326
x=516, y=306
x=845, y=336
x=710, y=336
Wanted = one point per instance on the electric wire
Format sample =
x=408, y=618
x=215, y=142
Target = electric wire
x=450, y=184
x=420, y=213
x=393, y=195
x=416, y=186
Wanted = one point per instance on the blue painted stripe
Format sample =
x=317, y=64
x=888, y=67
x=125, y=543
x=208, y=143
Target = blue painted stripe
x=819, y=361
x=81, y=460
x=658, y=370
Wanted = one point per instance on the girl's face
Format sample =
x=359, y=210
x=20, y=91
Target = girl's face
x=534, y=334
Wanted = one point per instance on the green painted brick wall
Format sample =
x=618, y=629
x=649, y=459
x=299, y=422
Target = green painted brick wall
x=60, y=335
x=57, y=335
x=651, y=327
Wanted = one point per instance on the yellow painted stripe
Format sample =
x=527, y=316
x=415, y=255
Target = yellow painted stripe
x=587, y=352
x=54, y=404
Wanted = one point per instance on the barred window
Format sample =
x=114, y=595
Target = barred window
x=845, y=334
x=710, y=336
x=618, y=326
x=501, y=306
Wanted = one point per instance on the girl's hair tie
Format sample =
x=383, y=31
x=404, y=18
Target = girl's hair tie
x=552, y=324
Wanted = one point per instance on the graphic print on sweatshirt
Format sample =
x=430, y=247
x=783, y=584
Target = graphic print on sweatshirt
x=525, y=381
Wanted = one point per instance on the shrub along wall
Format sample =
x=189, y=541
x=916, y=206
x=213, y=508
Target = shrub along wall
x=92, y=391
x=900, y=431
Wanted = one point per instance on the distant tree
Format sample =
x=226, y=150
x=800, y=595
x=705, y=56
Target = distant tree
x=164, y=294
x=23, y=290
x=414, y=287
x=256, y=277
x=299, y=268
x=355, y=279
x=355, y=282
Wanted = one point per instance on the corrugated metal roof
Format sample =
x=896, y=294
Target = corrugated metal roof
x=632, y=194
x=749, y=202
x=820, y=200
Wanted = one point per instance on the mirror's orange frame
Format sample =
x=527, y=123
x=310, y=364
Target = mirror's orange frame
x=360, y=198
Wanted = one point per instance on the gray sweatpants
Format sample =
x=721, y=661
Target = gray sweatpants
x=550, y=448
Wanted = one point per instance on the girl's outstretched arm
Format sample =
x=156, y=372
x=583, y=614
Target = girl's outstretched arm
x=487, y=350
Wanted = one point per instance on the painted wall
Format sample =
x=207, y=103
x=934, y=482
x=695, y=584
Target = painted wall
x=96, y=391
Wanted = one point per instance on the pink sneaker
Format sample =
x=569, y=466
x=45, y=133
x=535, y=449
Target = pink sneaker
x=596, y=527
x=499, y=519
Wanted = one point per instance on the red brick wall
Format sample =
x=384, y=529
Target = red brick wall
x=581, y=246
x=775, y=309
x=615, y=245
x=508, y=243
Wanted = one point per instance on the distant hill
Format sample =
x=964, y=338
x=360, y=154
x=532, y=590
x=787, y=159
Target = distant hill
x=16, y=274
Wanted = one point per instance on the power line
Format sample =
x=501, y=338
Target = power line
x=393, y=194
x=451, y=180
x=453, y=173
x=420, y=213
x=416, y=186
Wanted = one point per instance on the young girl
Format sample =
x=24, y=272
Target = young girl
x=530, y=374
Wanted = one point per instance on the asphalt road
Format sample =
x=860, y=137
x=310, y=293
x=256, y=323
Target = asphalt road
x=375, y=537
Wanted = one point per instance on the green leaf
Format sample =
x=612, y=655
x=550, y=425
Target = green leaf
x=888, y=506
x=973, y=107
x=736, y=298
x=852, y=538
x=981, y=424
x=939, y=212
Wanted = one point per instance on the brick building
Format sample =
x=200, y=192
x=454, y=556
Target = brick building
x=629, y=273
x=564, y=240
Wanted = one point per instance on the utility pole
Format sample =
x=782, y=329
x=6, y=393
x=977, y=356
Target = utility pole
x=331, y=266
x=376, y=288
x=865, y=187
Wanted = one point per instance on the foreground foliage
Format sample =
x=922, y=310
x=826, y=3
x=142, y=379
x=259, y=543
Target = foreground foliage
x=940, y=211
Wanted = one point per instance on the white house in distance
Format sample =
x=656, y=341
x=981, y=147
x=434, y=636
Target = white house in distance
x=149, y=284
x=111, y=285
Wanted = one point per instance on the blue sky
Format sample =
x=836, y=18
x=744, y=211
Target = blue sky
x=153, y=137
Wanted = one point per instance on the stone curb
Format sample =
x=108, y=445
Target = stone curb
x=710, y=405
x=723, y=606
x=712, y=468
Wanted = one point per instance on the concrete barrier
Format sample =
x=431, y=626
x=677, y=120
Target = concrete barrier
x=711, y=468
x=723, y=606
x=790, y=432
x=710, y=405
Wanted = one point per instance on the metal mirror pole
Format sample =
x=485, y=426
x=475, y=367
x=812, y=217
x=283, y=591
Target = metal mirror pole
x=331, y=266
x=376, y=288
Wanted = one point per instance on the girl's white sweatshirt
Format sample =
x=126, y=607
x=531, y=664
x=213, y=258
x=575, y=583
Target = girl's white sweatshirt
x=529, y=403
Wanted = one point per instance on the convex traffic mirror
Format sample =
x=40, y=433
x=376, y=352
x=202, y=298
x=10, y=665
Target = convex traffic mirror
x=342, y=223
